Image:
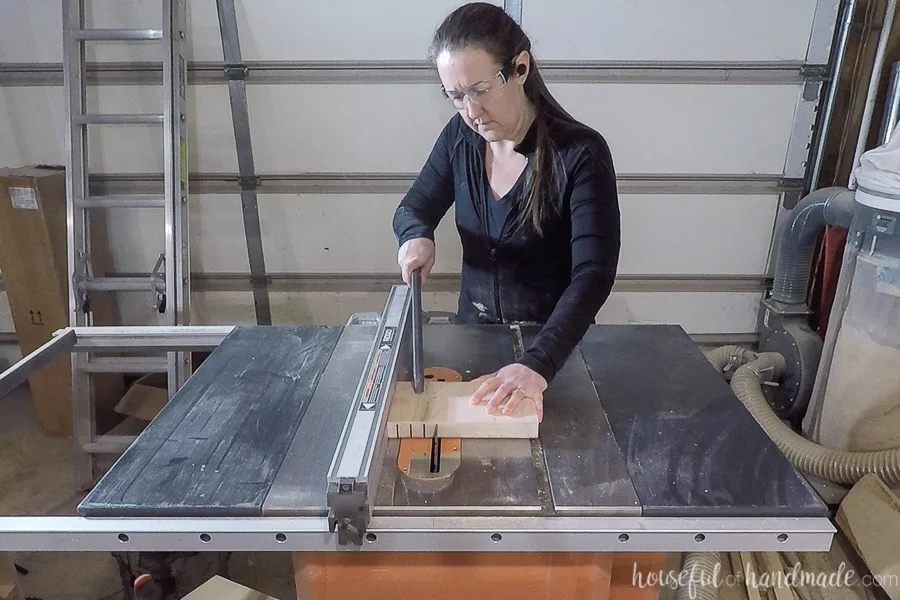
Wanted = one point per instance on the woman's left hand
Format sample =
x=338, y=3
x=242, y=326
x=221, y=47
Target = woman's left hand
x=516, y=382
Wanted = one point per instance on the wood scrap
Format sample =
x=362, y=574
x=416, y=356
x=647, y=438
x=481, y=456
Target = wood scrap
x=444, y=406
x=830, y=575
x=9, y=588
x=869, y=517
x=9, y=592
x=731, y=579
x=751, y=575
x=777, y=579
x=737, y=569
x=791, y=566
x=796, y=576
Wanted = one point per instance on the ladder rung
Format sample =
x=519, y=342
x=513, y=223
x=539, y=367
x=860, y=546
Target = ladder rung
x=119, y=284
x=124, y=201
x=126, y=364
x=123, y=119
x=117, y=34
x=109, y=444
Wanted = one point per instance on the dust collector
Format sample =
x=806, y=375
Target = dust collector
x=832, y=406
x=855, y=402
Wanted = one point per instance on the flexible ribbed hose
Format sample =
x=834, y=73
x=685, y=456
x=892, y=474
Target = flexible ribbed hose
x=730, y=358
x=699, y=570
x=798, y=240
x=837, y=466
x=792, y=278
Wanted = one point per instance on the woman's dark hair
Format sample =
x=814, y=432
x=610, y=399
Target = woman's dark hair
x=489, y=28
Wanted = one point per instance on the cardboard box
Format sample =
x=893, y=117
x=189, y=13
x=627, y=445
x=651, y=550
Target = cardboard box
x=219, y=588
x=34, y=265
x=146, y=397
x=9, y=588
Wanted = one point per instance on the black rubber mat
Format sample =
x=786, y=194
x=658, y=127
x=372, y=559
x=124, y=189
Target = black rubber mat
x=215, y=448
x=691, y=447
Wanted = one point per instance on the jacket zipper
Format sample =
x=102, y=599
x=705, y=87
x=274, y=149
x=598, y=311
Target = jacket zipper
x=497, y=266
x=496, y=283
x=486, y=187
x=492, y=256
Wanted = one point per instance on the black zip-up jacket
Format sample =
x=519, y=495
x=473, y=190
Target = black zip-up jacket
x=559, y=280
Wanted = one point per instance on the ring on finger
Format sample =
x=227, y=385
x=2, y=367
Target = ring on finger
x=521, y=391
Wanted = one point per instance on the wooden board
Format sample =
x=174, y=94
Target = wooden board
x=219, y=588
x=445, y=405
x=869, y=516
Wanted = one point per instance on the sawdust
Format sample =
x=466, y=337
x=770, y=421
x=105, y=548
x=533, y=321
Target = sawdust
x=861, y=411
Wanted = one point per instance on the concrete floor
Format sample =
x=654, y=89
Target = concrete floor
x=36, y=478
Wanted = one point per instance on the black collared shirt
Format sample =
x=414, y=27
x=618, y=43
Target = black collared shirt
x=560, y=279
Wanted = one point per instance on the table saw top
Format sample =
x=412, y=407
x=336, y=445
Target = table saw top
x=637, y=423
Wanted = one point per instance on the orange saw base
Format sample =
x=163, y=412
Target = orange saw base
x=494, y=575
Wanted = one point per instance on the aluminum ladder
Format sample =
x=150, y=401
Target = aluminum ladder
x=168, y=282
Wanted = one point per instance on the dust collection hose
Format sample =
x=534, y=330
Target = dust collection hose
x=747, y=370
x=837, y=466
x=726, y=359
x=697, y=579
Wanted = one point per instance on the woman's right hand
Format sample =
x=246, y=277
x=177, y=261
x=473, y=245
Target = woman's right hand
x=417, y=253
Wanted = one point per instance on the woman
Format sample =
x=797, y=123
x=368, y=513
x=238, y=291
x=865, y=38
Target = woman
x=535, y=201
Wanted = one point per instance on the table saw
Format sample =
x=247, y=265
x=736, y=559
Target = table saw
x=277, y=442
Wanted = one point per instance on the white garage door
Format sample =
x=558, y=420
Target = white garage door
x=708, y=106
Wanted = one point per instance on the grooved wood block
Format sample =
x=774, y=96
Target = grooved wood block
x=445, y=405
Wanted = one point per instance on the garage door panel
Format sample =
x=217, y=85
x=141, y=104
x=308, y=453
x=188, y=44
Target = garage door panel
x=32, y=127
x=343, y=233
x=688, y=129
x=35, y=120
x=697, y=312
x=273, y=30
x=294, y=129
x=661, y=235
x=621, y=30
x=306, y=234
x=137, y=238
x=650, y=128
x=33, y=32
x=325, y=31
x=321, y=308
x=618, y=30
x=702, y=234
x=387, y=136
x=328, y=308
x=24, y=28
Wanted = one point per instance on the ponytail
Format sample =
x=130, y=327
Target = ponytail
x=543, y=187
